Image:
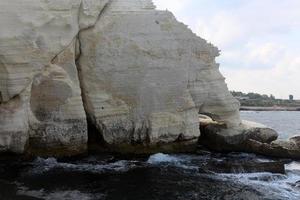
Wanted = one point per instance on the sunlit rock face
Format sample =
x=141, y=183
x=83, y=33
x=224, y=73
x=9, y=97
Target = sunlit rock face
x=139, y=76
x=146, y=76
x=41, y=105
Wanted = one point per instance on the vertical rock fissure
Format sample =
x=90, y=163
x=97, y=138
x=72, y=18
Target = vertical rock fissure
x=93, y=132
x=81, y=82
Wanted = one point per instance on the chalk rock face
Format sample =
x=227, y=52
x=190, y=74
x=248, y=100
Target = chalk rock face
x=41, y=105
x=58, y=122
x=14, y=125
x=139, y=76
x=146, y=77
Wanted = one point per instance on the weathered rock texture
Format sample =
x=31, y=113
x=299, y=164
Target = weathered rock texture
x=41, y=105
x=138, y=75
x=145, y=77
x=247, y=137
x=219, y=137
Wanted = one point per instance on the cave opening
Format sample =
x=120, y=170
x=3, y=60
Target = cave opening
x=204, y=119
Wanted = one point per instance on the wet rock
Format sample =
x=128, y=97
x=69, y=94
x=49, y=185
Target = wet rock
x=241, y=163
x=246, y=167
x=259, y=132
x=280, y=148
x=202, y=152
x=219, y=137
x=297, y=184
x=248, y=137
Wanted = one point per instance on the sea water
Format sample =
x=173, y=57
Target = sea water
x=155, y=177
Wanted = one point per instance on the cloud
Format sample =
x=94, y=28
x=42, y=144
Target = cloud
x=280, y=80
x=264, y=53
x=172, y=5
x=213, y=29
x=269, y=68
x=259, y=40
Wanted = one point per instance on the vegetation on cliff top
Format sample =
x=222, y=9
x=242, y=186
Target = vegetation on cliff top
x=263, y=100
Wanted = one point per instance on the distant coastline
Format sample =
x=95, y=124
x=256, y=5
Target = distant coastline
x=262, y=102
x=273, y=108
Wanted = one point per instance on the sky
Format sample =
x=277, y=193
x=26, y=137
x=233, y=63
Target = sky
x=259, y=40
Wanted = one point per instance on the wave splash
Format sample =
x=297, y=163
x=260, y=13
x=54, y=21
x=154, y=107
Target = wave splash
x=42, y=165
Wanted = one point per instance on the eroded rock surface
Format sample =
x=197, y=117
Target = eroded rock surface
x=146, y=76
x=138, y=75
x=219, y=137
x=38, y=73
x=248, y=137
x=280, y=148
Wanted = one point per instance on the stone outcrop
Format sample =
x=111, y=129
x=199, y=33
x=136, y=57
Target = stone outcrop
x=137, y=75
x=145, y=77
x=249, y=137
x=280, y=148
x=219, y=137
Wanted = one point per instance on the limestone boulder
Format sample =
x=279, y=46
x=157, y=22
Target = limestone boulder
x=286, y=148
x=278, y=148
x=249, y=137
x=219, y=137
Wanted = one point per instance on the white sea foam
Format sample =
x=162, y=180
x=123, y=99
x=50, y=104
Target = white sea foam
x=43, y=165
x=278, y=185
x=58, y=195
x=164, y=158
x=179, y=161
x=293, y=166
x=281, y=186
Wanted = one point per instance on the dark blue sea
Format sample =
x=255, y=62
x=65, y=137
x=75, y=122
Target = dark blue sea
x=154, y=177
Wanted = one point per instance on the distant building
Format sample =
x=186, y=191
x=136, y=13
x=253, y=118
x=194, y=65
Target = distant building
x=291, y=98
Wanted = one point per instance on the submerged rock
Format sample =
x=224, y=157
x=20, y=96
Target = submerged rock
x=246, y=166
x=136, y=74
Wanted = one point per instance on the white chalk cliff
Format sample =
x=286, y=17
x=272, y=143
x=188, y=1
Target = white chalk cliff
x=137, y=75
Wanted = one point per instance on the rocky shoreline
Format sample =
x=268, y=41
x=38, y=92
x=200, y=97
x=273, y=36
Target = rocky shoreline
x=249, y=137
x=115, y=76
x=100, y=99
